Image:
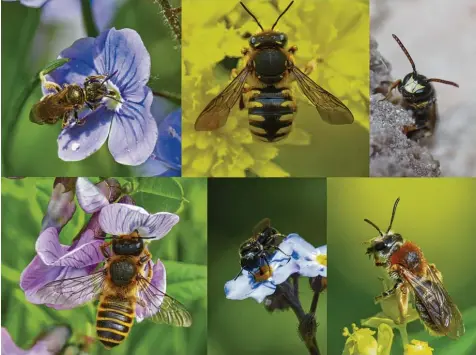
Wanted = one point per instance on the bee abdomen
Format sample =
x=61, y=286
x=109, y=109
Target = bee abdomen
x=114, y=322
x=271, y=114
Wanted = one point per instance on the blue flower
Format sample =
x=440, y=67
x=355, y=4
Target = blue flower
x=166, y=159
x=311, y=261
x=31, y=3
x=262, y=282
x=126, y=117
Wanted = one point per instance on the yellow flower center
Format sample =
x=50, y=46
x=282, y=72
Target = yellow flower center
x=322, y=259
x=264, y=273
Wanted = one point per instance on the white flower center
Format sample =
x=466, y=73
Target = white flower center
x=114, y=100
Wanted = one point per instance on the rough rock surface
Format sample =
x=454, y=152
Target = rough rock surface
x=391, y=152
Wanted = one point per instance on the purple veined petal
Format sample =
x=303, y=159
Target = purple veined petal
x=121, y=219
x=90, y=198
x=79, y=142
x=124, y=51
x=159, y=281
x=133, y=132
x=8, y=345
x=52, y=253
x=104, y=12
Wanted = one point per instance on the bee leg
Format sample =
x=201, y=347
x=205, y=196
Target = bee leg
x=390, y=292
x=380, y=264
x=389, y=93
x=292, y=49
x=144, y=258
x=104, y=250
x=245, y=51
x=238, y=274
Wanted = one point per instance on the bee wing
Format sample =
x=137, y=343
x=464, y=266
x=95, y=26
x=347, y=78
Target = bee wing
x=216, y=113
x=434, y=297
x=160, y=307
x=261, y=226
x=73, y=291
x=330, y=108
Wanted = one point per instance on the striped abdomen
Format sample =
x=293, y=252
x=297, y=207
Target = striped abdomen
x=271, y=114
x=114, y=320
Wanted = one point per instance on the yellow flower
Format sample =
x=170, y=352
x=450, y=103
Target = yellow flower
x=214, y=40
x=418, y=348
x=362, y=341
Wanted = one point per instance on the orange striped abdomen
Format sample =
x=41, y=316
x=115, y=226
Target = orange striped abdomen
x=114, y=320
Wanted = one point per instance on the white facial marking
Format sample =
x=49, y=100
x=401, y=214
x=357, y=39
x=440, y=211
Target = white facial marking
x=412, y=85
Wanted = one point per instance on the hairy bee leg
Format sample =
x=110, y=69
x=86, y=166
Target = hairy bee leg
x=103, y=249
x=245, y=51
x=293, y=49
x=390, y=292
x=238, y=274
x=389, y=93
x=144, y=258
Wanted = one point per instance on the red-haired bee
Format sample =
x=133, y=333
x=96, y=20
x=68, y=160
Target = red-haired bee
x=418, y=95
x=406, y=264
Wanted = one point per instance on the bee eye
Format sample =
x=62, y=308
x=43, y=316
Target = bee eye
x=380, y=246
x=253, y=40
x=282, y=37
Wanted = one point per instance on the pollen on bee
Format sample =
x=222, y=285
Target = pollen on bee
x=265, y=272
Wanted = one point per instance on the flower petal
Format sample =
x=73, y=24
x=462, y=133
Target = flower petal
x=301, y=248
x=8, y=345
x=121, y=219
x=52, y=253
x=79, y=142
x=159, y=281
x=61, y=208
x=90, y=198
x=169, y=142
x=124, y=51
x=245, y=286
x=104, y=11
x=133, y=132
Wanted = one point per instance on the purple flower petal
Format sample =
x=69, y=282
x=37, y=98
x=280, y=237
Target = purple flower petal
x=104, y=12
x=121, y=219
x=159, y=281
x=169, y=142
x=79, y=142
x=133, y=132
x=61, y=208
x=123, y=50
x=90, y=197
x=53, y=253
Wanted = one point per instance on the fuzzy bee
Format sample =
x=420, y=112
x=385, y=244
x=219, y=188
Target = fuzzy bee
x=405, y=263
x=418, y=95
x=263, y=87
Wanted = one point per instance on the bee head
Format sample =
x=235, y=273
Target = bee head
x=384, y=243
x=268, y=39
x=127, y=245
x=415, y=85
x=95, y=89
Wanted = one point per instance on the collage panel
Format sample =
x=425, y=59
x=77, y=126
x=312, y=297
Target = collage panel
x=275, y=88
x=104, y=266
x=267, y=262
x=423, y=64
x=91, y=88
x=424, y=301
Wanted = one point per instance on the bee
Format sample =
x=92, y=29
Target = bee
x=263, y=86
x=418, y=95
x=405, y=263
x=69, y=100
x=259, y=247
x=121, y=285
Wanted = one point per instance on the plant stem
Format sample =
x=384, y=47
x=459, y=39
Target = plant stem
x=168, y=95
x=172, y=18
x=403, y=334
x=314, y=301
x=88, y=19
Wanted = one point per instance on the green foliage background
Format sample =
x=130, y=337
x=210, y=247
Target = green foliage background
x=183, y=252
x=437, y=214
x=235, y=206
x=31, y=150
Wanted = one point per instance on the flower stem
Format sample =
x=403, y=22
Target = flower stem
x=168, y=95
x=172, y=18
x=314, y=301
x=403, y=334
x=88, y=19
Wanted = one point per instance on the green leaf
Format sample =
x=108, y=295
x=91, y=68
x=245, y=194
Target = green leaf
x=170, y=191
x=10, y=274
x=186, y=282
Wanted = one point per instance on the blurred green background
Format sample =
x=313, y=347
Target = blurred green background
x=183, y=252
x=437, y=214
x=235, y=206
x=31, y=150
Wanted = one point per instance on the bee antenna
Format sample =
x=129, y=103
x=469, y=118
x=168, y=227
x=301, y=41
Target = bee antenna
x=406, y=53
x=251, y=14
x=282, y=13
x=393, y=214
x=113, y=98
x=443, y=82
x=374, y=225
x=109, y=77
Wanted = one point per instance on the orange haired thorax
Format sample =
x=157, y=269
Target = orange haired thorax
x=410, y=257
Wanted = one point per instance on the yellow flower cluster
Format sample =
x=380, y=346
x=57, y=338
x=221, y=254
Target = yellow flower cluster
x=331, y=34
x=418, y=348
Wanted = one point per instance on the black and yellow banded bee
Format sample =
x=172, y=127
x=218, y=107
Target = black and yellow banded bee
x=121, y=285
x=418, y=95
x=263, y=87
